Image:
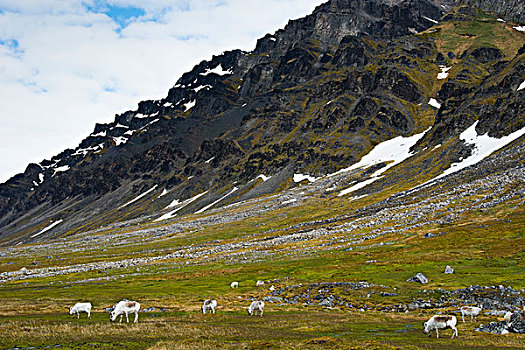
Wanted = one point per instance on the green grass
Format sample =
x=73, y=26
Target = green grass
x=35, y=314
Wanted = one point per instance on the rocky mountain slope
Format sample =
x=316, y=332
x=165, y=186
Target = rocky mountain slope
x=310, y=100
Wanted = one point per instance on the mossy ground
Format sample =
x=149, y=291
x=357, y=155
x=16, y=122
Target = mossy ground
x=484, y=250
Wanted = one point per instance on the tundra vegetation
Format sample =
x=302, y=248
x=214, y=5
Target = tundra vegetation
x=338, y=264
x=484, y=247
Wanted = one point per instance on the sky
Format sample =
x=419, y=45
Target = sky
x=68, y=64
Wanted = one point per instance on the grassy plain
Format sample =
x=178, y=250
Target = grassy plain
x=483, y=250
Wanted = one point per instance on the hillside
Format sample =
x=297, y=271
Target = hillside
x=312, y=98
x=356, y=147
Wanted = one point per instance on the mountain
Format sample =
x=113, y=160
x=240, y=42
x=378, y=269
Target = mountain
x=445, y=78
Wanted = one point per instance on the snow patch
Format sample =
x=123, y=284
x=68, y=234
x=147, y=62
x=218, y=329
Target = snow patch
x=522, y=86
x=484, y=145
x=121, y=126
x=293, y=200
x=199, y=88
x=209, y=160
x=434, y=103
x=329, y=189
x=120, y=140
x=176, y=202
x=101, y=146
x=358, y=186
x=358, y=197
x=164, y=192
x=444, y=72
x=84, y=151
x=141, y=116
x=217, y=70
x=395, y=151
x=61, y=169
x=301, y=177
x=47, y=228
x=501, y=20
x=100, y=134
x=139, y=197
x=167, y=216
x=41, y=177
x=189, y=105
x=217, y=201
x=263, y=177
x=167, y=104
x=431, y=20
x=150, y=123
x=520, y=28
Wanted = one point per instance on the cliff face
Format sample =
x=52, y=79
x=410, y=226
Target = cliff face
x=512, y=10
x=311, y=98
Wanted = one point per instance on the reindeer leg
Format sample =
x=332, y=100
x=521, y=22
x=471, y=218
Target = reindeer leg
x=437, y=333
x=136, y=317
x=127, y=318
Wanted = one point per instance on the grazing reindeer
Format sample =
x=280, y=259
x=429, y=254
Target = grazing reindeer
x=507, y=317
x=471, y=311
x=80, y=307
x=254, y=306
x=209, y=304
x=125, y=307
x=441, y=322
x=234, y=284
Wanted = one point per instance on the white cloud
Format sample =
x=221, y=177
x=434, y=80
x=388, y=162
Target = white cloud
x=64, y=68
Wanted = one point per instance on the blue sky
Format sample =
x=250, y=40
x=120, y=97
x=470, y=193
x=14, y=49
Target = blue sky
x=66, y=65
x=121, y=15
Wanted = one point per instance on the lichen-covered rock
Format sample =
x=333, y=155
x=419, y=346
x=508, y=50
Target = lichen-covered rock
x=419, y=277
x=517, y=322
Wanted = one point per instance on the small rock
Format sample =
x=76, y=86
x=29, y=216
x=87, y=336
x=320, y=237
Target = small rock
x=325, y=302
x=449, y=269
x=420, y=278
x=273, y=299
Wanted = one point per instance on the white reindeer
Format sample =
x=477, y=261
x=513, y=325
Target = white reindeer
x=471, y=311
x=441, y=322
x=80, y=307
x=125, y=307
x=208, y=304
x=234, y=284
x=254, y=306
x=259, y=283
x=507, y=317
